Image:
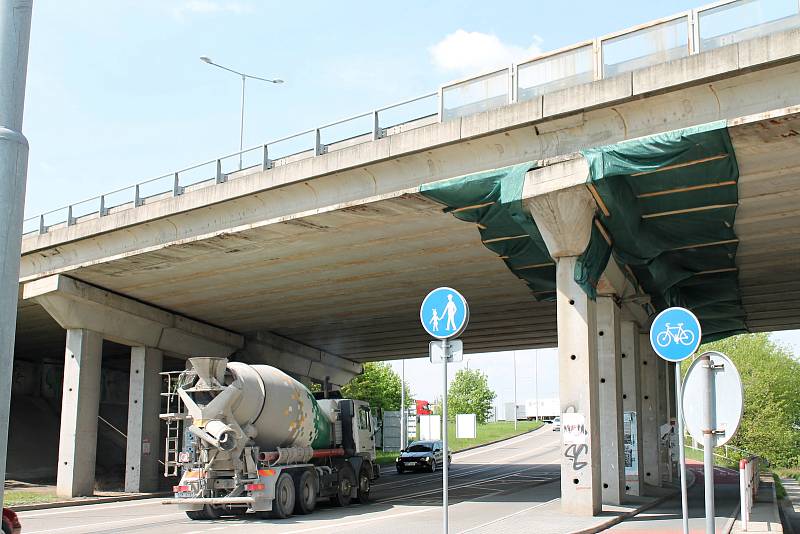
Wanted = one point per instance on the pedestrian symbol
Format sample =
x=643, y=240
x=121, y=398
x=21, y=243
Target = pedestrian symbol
x=675, y=334
x=444, y=313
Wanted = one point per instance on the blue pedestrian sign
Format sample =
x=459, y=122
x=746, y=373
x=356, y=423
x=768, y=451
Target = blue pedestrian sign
x=675, y=334
x=444, y=313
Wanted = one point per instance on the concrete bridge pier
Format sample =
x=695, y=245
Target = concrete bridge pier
x=144, y=425
x=612, y=461
x=564, y=218
x=632, y=397
x=651, y=420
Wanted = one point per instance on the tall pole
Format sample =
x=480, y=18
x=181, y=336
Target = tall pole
x=445, y=467
x=708, y=443
x=241, y=125
x=536, y=380
x=403, y=417
x=681, y=450
x=515, y=390
x=15, y=32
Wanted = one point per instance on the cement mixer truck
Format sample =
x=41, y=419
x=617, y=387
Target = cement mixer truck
x=251, y=439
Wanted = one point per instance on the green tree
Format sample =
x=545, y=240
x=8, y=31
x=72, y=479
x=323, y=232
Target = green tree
x=470, y=393
x=771, y=381
x=379, y=385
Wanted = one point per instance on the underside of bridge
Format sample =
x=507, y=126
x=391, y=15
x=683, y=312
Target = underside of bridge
x=607, y=215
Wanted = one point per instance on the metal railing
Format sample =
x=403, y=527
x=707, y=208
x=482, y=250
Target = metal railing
x=677, y=36
x=749, y=479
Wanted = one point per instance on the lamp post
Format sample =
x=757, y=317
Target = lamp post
x=515, y=390
x=244, y=78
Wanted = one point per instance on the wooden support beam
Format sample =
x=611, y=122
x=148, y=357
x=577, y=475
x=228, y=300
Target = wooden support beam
x=688, y=210
x=686, y=189
x=681, y=165
x=473, y=207
x=716, y=271
x=535, y=266
x=481, y=226
x=603, y=231
x=496, y=239
x=598, y=200
x=703, y=245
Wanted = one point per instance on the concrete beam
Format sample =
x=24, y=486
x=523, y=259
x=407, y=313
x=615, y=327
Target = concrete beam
x=144, y=425
x=632, y=398
x=78, y=305
x=612, y=458
x=80, y=404
x=298, y=359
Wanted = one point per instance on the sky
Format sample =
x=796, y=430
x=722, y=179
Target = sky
x=116, y=92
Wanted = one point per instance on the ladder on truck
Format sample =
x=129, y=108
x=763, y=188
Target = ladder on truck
x=173, y=415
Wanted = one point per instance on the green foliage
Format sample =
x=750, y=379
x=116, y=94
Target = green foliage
x=470, y=393
x=379, y=385
x=771, y=380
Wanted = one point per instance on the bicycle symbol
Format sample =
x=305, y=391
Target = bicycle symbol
x=674, y=334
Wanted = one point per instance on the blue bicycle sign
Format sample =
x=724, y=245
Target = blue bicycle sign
x=675, y=334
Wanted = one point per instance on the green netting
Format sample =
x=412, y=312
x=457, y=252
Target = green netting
x=493, y=200
x=672, y=200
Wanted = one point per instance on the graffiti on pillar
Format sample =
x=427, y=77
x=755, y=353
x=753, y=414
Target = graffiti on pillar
x=576, y=453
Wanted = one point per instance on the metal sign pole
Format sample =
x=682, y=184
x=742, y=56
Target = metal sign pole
x=708, y=442
x=445, y=351
x=681, y=450
x=403, y=416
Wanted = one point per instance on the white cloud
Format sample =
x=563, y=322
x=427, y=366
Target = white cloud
x=208, y=7
x=464, y=52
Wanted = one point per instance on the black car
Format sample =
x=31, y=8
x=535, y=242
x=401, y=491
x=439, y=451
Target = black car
x=426, y=455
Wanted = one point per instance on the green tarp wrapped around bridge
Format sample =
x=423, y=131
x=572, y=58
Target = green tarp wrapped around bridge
x=667, y=202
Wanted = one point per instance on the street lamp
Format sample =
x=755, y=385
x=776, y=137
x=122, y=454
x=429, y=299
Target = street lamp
x=206, y=59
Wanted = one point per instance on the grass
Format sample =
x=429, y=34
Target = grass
x=485, y=434
x=780, y=491
x=21, y=497
x=695, y=454
x=788, y=472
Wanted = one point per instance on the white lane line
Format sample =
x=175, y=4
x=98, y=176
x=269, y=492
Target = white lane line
x=83, y=508
x=509, y=515
x=105, y=524
x=337, y=526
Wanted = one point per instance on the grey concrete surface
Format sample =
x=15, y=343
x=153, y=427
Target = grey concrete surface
x=487, y=484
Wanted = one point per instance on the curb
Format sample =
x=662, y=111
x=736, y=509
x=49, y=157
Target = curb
x=87, y=501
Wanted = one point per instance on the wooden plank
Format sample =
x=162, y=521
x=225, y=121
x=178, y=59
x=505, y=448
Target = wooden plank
x=496, y=239
x=481, y=226
x=688, y=210
x=603, y=231
x=681, y=165
x=598, y=200
x=686, y=189
x=535, y=266
x=473, y=207
x=703, y=245
x=716, y=271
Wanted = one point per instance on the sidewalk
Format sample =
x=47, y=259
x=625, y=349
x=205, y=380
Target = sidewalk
x=790, y=506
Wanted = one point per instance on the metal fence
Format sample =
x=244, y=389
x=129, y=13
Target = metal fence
x=690, y=32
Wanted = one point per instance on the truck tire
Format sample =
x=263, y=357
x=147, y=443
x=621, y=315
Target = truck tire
x=283, y=505
x=344, y=485
x=364, y=484
x=305, y=491
x=206, y=514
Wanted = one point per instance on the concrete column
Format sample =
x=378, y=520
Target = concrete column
x=564, y=218
x=650, y=416
x=666, y=398
x=15, y=30
x=80, y=403
x=612, y=456
x=579, y=395
x=632, y=396
x=144, y=428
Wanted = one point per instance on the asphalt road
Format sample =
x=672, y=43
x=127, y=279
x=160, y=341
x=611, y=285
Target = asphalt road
x=486, y=485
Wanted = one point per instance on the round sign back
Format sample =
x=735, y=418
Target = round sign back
x=444, y=313
x=728, y=398
x=675, y=334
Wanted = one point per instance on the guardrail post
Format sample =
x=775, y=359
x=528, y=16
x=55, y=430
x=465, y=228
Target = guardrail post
x=70, y=219
x=376, y=126
x=511, y=99
x=42, y=227
x=743, y=492
x=103, y=210
x=266, y=163
x=694, y=32
x=176, y=185
x=597, y=47
x=220, y=176
x=319, y=148
x=137, y=200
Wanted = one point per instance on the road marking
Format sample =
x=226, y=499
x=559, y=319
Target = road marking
x=509, y=515
x=104, y=525
x=338, y=526
x=83, y=508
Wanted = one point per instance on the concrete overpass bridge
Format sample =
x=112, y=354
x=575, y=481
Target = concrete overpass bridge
x=569, y=197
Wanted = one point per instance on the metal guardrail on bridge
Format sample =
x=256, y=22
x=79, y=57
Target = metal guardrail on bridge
x=677, y=36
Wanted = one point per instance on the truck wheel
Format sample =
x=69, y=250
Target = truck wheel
x=344, y=486
x=206, y=514
x=305, y=491
x=283, y=505
x=364, y=486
